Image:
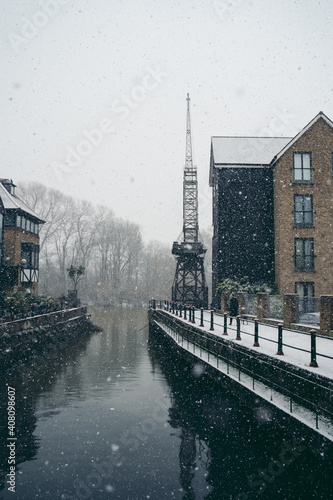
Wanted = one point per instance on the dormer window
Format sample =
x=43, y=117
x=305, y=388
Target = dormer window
x=9, y=185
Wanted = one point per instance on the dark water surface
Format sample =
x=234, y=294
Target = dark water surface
x=116, y=416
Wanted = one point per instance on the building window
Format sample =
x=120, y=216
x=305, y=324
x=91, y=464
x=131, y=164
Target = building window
x=10, y=219
x=303, y=210
x=302, y=171
x=304, y=254
x=30, y=252
x=305, y=291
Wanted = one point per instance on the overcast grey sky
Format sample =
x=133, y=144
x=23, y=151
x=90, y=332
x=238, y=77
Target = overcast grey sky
x=94, y=92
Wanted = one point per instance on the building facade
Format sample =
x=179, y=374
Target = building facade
x=303, y=211
x=21, y=240
x=273, y=209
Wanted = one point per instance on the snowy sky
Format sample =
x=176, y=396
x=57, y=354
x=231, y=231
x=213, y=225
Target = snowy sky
x=94, y=92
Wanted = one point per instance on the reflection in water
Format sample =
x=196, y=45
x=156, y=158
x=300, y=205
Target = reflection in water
x=29, y=382
x=108, y=418
x=187, y=456
x=243, y=452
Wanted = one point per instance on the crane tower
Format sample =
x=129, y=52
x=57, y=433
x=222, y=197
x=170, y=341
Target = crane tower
x=189, y=285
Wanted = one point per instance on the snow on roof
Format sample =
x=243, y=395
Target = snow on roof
x=305, y=129
x=246, y=151
x=13, y=202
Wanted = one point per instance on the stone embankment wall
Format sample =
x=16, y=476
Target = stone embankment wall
x=28, y=338
x=290, y=380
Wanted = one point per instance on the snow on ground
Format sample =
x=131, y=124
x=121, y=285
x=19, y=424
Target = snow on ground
x=268, y=337
x=319, y=423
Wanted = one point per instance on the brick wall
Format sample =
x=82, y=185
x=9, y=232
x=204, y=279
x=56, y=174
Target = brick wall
x=13, y=238
x=319, y=141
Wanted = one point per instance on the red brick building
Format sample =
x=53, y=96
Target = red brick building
x=21, y=238
x=303, y=211
x=273, y=209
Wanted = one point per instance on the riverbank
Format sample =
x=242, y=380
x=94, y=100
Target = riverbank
x=28, y=338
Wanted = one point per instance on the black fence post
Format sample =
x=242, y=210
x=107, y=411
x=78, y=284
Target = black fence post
x=201, y=316
x=280, y=344
x=212, y=320
x=313, y=363
x=256, y=333
x=225, y=327
x=190, y=314
x=185, y=311
x=193, y=314
x=180, y=310
x=238, y=336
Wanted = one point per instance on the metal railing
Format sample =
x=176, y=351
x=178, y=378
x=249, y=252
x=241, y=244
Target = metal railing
x=195, y=346
x=217, y=320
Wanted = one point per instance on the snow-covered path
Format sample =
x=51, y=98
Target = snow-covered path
x=317, y=422
x=296, y=344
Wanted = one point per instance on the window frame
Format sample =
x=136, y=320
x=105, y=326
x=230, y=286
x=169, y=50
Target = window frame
x=303, y=211
x=302, y=180
x=304, y=256
x=307, y=301
x=30, y=252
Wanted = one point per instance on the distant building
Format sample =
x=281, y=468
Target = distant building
x=21, y=240
x=273, y=209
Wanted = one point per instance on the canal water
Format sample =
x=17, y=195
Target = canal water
x=116, y=415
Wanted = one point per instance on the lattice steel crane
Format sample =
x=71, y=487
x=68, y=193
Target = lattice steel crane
x=189, y=286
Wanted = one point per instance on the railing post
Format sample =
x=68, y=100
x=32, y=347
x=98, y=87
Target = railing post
x=185, y=317
x=177, y=307
x=313, y=363
x=190, y=314
x=225, y=326
x=193, y=314
x=280, y=344
x=212, y=320
x=180, y=310
x=238, y=336
x=256, y=334
x=154, y=304
x=201, y=316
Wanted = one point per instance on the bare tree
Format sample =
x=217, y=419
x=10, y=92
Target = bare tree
x=118, y=266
